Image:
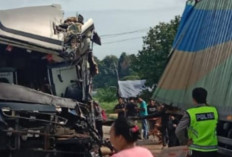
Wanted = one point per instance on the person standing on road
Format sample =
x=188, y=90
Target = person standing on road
x=123, y=136
x=162, y=112
x=143, y=113
x=120, y=108
x=200, y=123
x=172, y=124
x=131, y=108
x=164, y=123
x=151, y=109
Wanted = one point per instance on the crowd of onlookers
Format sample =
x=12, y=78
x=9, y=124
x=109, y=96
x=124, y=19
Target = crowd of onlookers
x=197, y=128
x=156, y=122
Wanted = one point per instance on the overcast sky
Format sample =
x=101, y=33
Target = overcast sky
x=114, y=16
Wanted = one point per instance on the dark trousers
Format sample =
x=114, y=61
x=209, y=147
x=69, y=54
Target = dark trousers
x=203, y=154
x=99, y=128
x=164, y=135
x=172, y=139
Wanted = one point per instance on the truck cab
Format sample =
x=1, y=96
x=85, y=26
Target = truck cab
x=45, y=90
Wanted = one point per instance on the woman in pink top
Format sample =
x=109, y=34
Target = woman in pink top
x=123, y=136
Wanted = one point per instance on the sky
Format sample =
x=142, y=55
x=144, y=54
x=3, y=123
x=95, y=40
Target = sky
x=129, y=18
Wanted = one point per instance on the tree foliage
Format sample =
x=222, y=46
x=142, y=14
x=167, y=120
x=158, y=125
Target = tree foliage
x=124, y=67
x=152, y=59
x=110, y=66
x=107, y=72
x=107, y=94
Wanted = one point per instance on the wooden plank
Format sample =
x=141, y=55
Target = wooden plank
x=147, y=142
x=180, y=151
x=224, y=151
x=225, y=140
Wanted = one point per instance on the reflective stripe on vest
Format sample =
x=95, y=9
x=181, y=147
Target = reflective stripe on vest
x=202, y=128
x=203, y=147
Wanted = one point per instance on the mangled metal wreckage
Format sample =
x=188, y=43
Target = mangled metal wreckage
x=46, y=70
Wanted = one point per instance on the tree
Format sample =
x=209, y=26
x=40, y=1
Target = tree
x=152, y=59
x=125, y=69
x=107, y=72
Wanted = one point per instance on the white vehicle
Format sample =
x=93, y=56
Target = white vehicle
x=45, y=101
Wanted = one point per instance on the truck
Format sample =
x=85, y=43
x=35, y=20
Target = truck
x=201, y=57
x=46, y=71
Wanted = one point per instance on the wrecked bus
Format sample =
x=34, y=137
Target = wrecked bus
x=201, y=57
x=46, y=71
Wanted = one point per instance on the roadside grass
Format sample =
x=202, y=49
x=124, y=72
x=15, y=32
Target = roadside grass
x=106, y=98
x=108, y=106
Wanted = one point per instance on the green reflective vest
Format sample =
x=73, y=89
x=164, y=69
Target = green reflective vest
x=202, y=128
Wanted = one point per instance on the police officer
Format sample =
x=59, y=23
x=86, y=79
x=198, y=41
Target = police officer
x=200, y=123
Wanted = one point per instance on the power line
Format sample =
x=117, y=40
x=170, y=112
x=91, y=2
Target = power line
x=123, y=33
x=118, y=41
